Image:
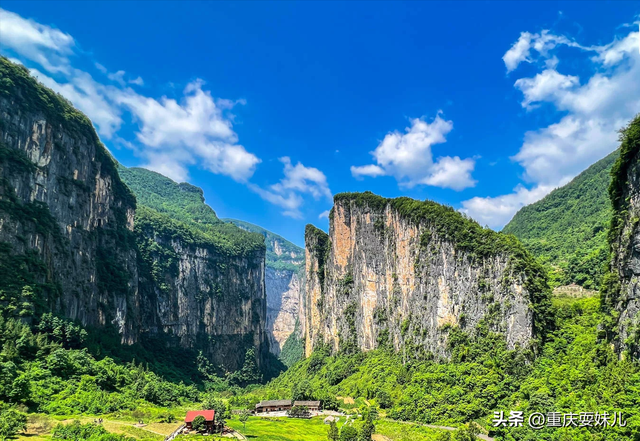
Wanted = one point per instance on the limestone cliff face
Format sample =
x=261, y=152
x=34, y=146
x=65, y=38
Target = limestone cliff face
x=74, y=241
x=623, y=295
x=205, y=299
x=284, y=304
x=397, y=272
x=284, y=285
x=66, y=219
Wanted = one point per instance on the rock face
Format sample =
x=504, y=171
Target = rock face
x=622, y=288
x=74, y=241
x=284, y=304
x=209, y=300
x=66, y=219
x=202, y=280
x=284, y=285
x=399, y=272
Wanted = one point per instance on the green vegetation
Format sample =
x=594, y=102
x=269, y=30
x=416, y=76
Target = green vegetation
x=293, y=348
x=575, y=372
x=279, y=249
x=171, y=210
x=618, y=242
x=12, y=421
x=49, y=370
x=567, y=229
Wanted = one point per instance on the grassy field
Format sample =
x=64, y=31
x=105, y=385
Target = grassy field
x=39, y=426
x=314, y=429
x=257, y=429
x=283, y=429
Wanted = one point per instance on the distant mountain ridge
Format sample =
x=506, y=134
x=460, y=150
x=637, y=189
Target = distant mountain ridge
x=567, y=229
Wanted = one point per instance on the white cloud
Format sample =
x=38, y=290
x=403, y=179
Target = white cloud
x=118, y=77
x=452, y=172
x=497, y=211
x=137, y=81
x=42, y=44
x=88, y=96
x=543, y=43
x=546, y=85
x=172, y=135
x=298, y=180
x=370, y=170
x=408, y=157
x=592, y=113
x=324, y=214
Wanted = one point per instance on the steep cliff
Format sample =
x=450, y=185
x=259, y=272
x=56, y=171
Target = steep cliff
x=284, y=280
x=66, y=219
x=567, y=229
x=401, y=273
x=621, y=290
x=202, y=280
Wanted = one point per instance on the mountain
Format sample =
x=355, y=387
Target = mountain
x=621, y=291
x=66, y=219
x=568, y=228
x=402, y=273
x=202, y=278
x=284, y=281
x=161, y=271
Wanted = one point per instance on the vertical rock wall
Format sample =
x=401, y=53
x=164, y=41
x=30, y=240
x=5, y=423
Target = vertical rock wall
x=66, y=219
x=383, y=277
x=622, y=287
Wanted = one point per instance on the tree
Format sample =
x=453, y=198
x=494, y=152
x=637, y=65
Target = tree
x=199, y=424
x=299, y=412
x=467, y=433
x=221, y=409
x=11, y=421
x=243, y=416
x=333, y=432
x=348, y=433
x=367, y=430
x=329, y=403
x=384, y=400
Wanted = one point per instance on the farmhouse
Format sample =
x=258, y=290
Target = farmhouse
x=209, y=418
x=313, y=406
x=273, y=406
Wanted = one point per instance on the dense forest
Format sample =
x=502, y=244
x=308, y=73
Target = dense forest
x=567, y=229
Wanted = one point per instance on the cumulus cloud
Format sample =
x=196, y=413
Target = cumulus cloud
x=172, y=135
x=297, y=181
x=593, y=109
x=47, y=46
x=497, y=211
x=409, y=158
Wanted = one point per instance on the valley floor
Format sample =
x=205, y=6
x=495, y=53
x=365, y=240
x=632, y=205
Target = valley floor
x=257, y=429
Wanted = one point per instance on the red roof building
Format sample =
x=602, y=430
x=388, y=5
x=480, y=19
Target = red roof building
x=209, y=417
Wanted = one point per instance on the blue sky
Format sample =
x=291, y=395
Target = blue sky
x=272, y=108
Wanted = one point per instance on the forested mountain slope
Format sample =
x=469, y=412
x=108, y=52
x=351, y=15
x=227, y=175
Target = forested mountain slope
x=284, y=281
x=568, y=228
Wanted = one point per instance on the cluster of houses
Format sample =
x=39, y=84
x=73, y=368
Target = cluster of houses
x=285, y=405
x=261, y=407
